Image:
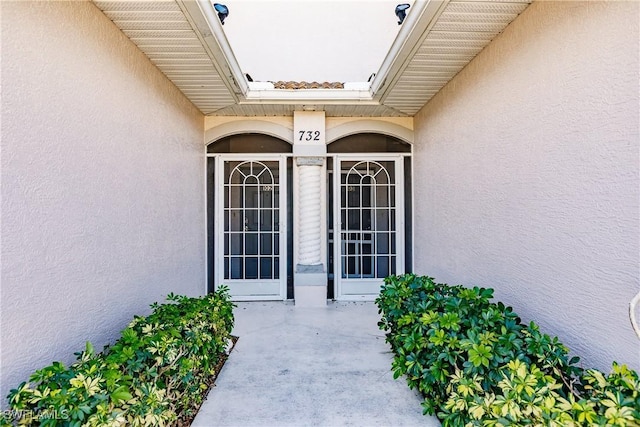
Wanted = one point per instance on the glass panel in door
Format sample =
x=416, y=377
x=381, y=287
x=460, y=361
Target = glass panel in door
x=252, y=205
x=369, y=234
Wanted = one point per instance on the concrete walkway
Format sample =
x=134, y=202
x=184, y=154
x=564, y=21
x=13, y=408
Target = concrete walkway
x=310, y=367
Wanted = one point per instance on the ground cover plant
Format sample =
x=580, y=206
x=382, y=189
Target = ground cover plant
x=476, y=364
x=157, y=373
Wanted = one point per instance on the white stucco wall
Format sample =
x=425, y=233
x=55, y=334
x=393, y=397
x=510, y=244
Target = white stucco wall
x=528, y=164
x=102, y=185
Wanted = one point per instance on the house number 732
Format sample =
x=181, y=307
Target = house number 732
x=309, y=135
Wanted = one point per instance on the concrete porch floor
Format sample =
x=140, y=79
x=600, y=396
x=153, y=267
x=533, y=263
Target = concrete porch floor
x=310, y=367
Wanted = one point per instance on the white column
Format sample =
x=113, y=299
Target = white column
x=309, y=150
x=309, y=210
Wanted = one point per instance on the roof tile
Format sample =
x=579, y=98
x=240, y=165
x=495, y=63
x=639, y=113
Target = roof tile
x=307, y=85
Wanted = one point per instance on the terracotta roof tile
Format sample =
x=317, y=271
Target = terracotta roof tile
x=307, y=85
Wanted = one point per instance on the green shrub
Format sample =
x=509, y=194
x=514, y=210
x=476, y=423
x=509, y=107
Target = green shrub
x=156, y=374
x=476, y=364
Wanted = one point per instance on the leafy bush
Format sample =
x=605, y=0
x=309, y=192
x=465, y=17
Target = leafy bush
x=476, y=364
x=156, y=374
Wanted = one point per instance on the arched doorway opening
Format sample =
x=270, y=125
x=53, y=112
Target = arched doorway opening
x=369, y=214
x=250, y=233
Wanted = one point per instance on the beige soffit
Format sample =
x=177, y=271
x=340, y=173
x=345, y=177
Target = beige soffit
x=162, y=31
x=185, y=40
x=441, y=45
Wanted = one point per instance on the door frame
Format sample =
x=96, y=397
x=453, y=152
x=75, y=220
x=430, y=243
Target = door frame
x=399, y=177
x=219, y=231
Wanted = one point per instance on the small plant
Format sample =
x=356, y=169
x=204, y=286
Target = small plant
x=156, y=374
x=476, y=364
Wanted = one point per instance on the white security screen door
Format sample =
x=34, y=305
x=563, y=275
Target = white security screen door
x=369, y=224
x=251, y=218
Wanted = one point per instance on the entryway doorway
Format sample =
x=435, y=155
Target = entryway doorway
x=369, y=218
x=250, y=217
x=250, y=205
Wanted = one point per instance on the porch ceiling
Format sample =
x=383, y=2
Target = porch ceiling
x=184, y=39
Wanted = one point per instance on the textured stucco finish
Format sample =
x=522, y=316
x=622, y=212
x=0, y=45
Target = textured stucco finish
x=102, y=185
x=528, y=170
x=217, y=127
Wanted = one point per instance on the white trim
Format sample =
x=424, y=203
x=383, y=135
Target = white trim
x=370, y=126
x=415, y=28
x=413, y=217
x=250, y=156
x=204, y=20
x=296, y=219
x=236, y=127
x=286, y=133
x=284, y=231
x=337, y=265
x=400, y=217
x=368, y=156
x=206, y=224
x=218, y=242
x=308, y=96
x=398, y=160
x=422, y=16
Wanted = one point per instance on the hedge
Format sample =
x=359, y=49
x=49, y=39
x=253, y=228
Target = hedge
x=476, y=364
x=157, y=373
